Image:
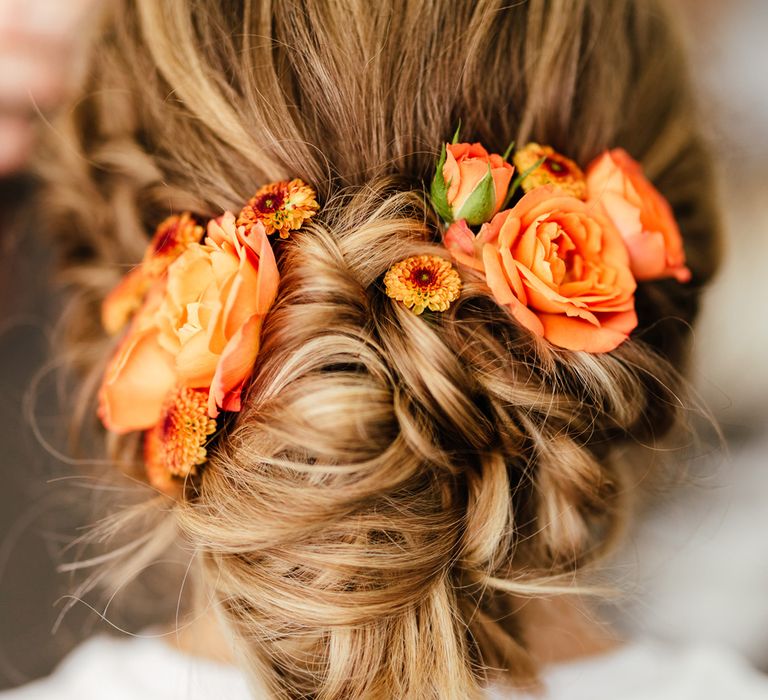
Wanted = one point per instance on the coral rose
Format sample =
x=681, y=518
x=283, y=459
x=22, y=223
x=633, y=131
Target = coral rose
x=560, y=269
x=199, y=328
x=470, y=183
x=617, y=185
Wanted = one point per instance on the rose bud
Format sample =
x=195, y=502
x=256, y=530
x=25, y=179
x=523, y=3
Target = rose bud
x=469, y=183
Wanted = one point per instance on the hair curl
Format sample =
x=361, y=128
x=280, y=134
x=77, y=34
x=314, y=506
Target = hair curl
x=390, y=479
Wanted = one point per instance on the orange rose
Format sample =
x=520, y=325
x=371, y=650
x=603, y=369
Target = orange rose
x=199, y=328
x=617, y=185
x=470, y=183
x=560, y=269
x=171, y=238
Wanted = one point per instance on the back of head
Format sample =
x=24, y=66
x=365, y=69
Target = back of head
x=388, y=480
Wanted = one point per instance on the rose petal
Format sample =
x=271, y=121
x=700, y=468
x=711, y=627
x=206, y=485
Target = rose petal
x=502, y=176
x=502, y=291
x=472, y=171
x=525, y=250
x=136, y=383
x=235, y=367
x=195, y=363
x=124, y=300
x=451, y=174
x=681, y=274
x=459, y=238
x=507, y=233
x=222, y=228
x=489, y=231
x=613, y=248
x=477, y=150
x=546, y=300
x=242, y=295
x=542, y=201
x=513, y=275
x=625, y=216
x=577, y=334
x=606, y=174
x=461, y=243
x=269, y=277
x=647, y=255
x=189, y=275
x=624, y=322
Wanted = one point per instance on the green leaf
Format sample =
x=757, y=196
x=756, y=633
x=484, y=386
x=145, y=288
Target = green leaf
x=438, y=192
x=508, y=152
x=519, y=181
x=480, y=204
x=456, y=133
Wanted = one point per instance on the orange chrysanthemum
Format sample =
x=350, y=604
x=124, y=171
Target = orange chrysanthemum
x=176, y=445
x=280, y=206
x=423, y=282
x=556, y=170
x=170, y=240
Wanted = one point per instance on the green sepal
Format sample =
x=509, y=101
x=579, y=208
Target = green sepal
x=456, y=133
x=481, y=203
x=438, y=191
x=519, y=181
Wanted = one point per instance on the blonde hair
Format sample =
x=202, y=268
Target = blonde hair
x=390, y=479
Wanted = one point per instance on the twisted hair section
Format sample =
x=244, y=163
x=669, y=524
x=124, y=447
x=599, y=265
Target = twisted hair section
x=389, y=470
x=391, y=480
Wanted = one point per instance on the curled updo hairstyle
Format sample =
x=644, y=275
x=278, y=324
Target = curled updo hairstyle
x=390, y=479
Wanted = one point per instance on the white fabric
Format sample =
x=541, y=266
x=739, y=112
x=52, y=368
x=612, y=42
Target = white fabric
x=148, y=669
x=654, y=671
x=139, y=668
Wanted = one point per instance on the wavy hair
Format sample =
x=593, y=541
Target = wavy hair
x=390, y=480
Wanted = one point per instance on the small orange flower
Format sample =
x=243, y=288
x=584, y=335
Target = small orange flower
x=176, y=445
x=170, y=240
x=556, y=170
x=280, y=206
x=423, y=282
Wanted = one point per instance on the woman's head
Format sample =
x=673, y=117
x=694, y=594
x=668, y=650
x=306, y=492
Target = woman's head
x=389, y=479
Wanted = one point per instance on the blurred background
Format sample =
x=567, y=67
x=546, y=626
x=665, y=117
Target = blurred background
x=697, y=568
x=700, y=558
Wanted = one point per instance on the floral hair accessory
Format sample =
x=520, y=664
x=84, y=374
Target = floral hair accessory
x=545, y=166
x=198, y=330
x=469, y=182
x=566, y=257
x=280, y=207
x=617, y=185
x=423, y=282
x=198, y=305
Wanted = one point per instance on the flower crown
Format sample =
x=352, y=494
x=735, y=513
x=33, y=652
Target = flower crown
x=560, y=249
